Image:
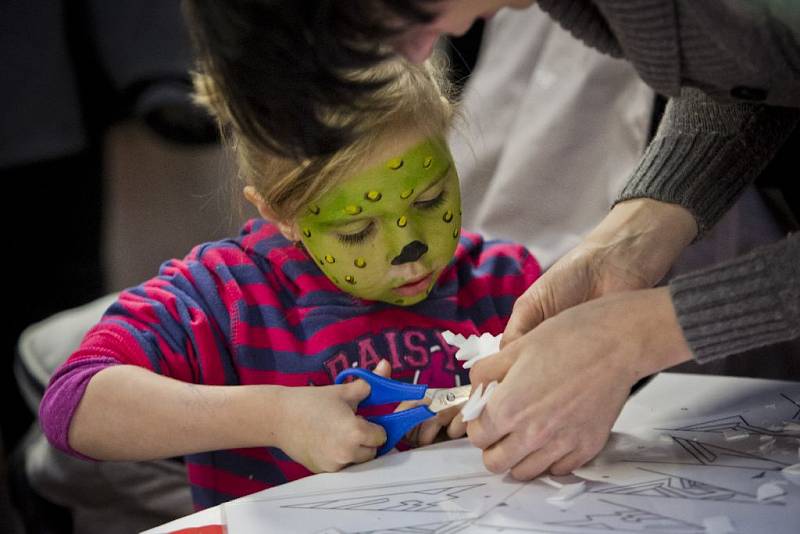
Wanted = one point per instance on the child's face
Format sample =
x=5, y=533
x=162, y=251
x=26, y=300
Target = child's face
x=387, y=232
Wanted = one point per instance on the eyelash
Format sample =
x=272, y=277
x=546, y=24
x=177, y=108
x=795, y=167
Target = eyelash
x=432, y=203
x=357, y=238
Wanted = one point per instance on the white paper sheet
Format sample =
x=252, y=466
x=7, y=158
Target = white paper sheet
x=668, y=468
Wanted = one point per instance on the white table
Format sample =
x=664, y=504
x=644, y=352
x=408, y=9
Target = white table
x=686, y=448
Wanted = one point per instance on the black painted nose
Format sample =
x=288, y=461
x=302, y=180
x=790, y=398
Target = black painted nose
x=411, y=252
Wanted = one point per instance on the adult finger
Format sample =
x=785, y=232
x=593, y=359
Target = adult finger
x=526, y=314
x=539, y=461
x=493, y=367
x=513, y=448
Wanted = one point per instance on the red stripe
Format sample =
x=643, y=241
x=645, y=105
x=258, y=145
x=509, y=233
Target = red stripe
x=222, y=481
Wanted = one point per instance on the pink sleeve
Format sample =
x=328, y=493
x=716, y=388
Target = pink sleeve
x=62, y=397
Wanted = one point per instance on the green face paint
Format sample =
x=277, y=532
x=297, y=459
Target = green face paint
x=388, y=232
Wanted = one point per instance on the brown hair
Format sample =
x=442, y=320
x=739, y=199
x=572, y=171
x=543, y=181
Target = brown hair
x=413, y=97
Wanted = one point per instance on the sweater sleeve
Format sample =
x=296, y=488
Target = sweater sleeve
x=706, y=152
x=176, y=324
x=749, y=302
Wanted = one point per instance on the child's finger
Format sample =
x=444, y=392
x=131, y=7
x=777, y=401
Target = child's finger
x=371, y=435
x=383, y=369
x=354, y=392
x=457, y=427
x=428, y=432
x=364, y=454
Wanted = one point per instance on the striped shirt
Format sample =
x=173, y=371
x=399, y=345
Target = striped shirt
x=257, y=310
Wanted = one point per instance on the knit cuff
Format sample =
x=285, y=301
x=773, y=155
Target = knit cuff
x=706, y=152
x=750, y=302
x=584, y=21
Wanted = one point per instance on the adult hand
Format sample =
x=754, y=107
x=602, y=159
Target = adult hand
x=568, y=379
x=632, y=248
x=320, y=429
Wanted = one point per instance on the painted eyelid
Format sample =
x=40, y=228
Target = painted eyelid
x=357, y=234
x=433, y=200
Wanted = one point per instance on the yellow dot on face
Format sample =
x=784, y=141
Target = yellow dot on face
x=402, y=221
x=427, y=162
x=374, y=196
x=330, y=259
x=314, y=209
x=394, y=163
x=352, y=210
x=448, y=216
x=360, y=263
x=306, y=232
x=405, y=194
x=350, y=280
x=456, y=232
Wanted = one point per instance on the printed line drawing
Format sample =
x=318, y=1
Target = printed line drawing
x=680, y=487
x=447, y=527
x=796, y=403
x=628, y=518
x=739, y=423
x=702, y=453
x=424, y=500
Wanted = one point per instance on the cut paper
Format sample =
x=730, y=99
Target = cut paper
x=567, y=492
x=474, y=406
x=770, y=491
x=720, y=524
x=473, y=348
x=792, y=474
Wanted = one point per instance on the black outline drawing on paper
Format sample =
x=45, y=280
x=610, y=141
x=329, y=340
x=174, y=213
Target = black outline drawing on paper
x=442, y=527
x=680, y=487
x=422, y=500
x=796, y=403
x=629, y=519
x=739, y=423
x=716, y=456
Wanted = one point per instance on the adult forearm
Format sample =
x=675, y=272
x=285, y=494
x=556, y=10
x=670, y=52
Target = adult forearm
x=130, y=413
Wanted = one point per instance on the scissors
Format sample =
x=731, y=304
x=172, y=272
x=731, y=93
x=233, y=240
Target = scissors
x=386, y=391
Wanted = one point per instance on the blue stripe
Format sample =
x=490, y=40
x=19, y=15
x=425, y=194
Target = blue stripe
x=146, y=340
x=206, y=498
x=243, y=466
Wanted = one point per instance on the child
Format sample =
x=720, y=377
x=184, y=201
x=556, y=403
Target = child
x=359, y=260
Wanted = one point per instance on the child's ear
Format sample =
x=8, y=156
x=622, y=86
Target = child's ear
x=289, y=231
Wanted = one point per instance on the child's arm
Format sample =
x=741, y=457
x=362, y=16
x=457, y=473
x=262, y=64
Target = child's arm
x=130, y=413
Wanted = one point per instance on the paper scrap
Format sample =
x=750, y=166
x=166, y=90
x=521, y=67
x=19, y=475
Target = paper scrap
x=767, y=445
x=473, y=348
x=769, y=490
x=735, y=435
x=474, y=406
x=720, y=524
x=792, y=474
x=567, y=493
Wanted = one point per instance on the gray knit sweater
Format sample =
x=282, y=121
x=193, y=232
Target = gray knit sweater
x=732, y=72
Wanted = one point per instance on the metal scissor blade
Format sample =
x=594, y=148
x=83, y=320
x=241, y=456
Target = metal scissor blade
x=444, y=398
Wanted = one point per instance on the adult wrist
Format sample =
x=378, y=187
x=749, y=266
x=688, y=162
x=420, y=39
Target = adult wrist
x=643, y=236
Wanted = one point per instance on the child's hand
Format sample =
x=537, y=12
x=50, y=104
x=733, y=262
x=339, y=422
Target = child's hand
x=321, y=430
x=427, y=432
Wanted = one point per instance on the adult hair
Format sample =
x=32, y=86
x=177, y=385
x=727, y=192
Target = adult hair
x=416, y=99
x=286, y=65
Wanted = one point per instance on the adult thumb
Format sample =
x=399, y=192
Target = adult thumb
x=493, y=368
x=527, y=313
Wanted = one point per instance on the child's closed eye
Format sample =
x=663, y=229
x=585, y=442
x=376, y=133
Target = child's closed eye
x=429, y=204
x=355, y=238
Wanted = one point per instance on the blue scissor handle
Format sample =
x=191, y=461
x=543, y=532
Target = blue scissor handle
x=383, y=390
x=398, y=424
